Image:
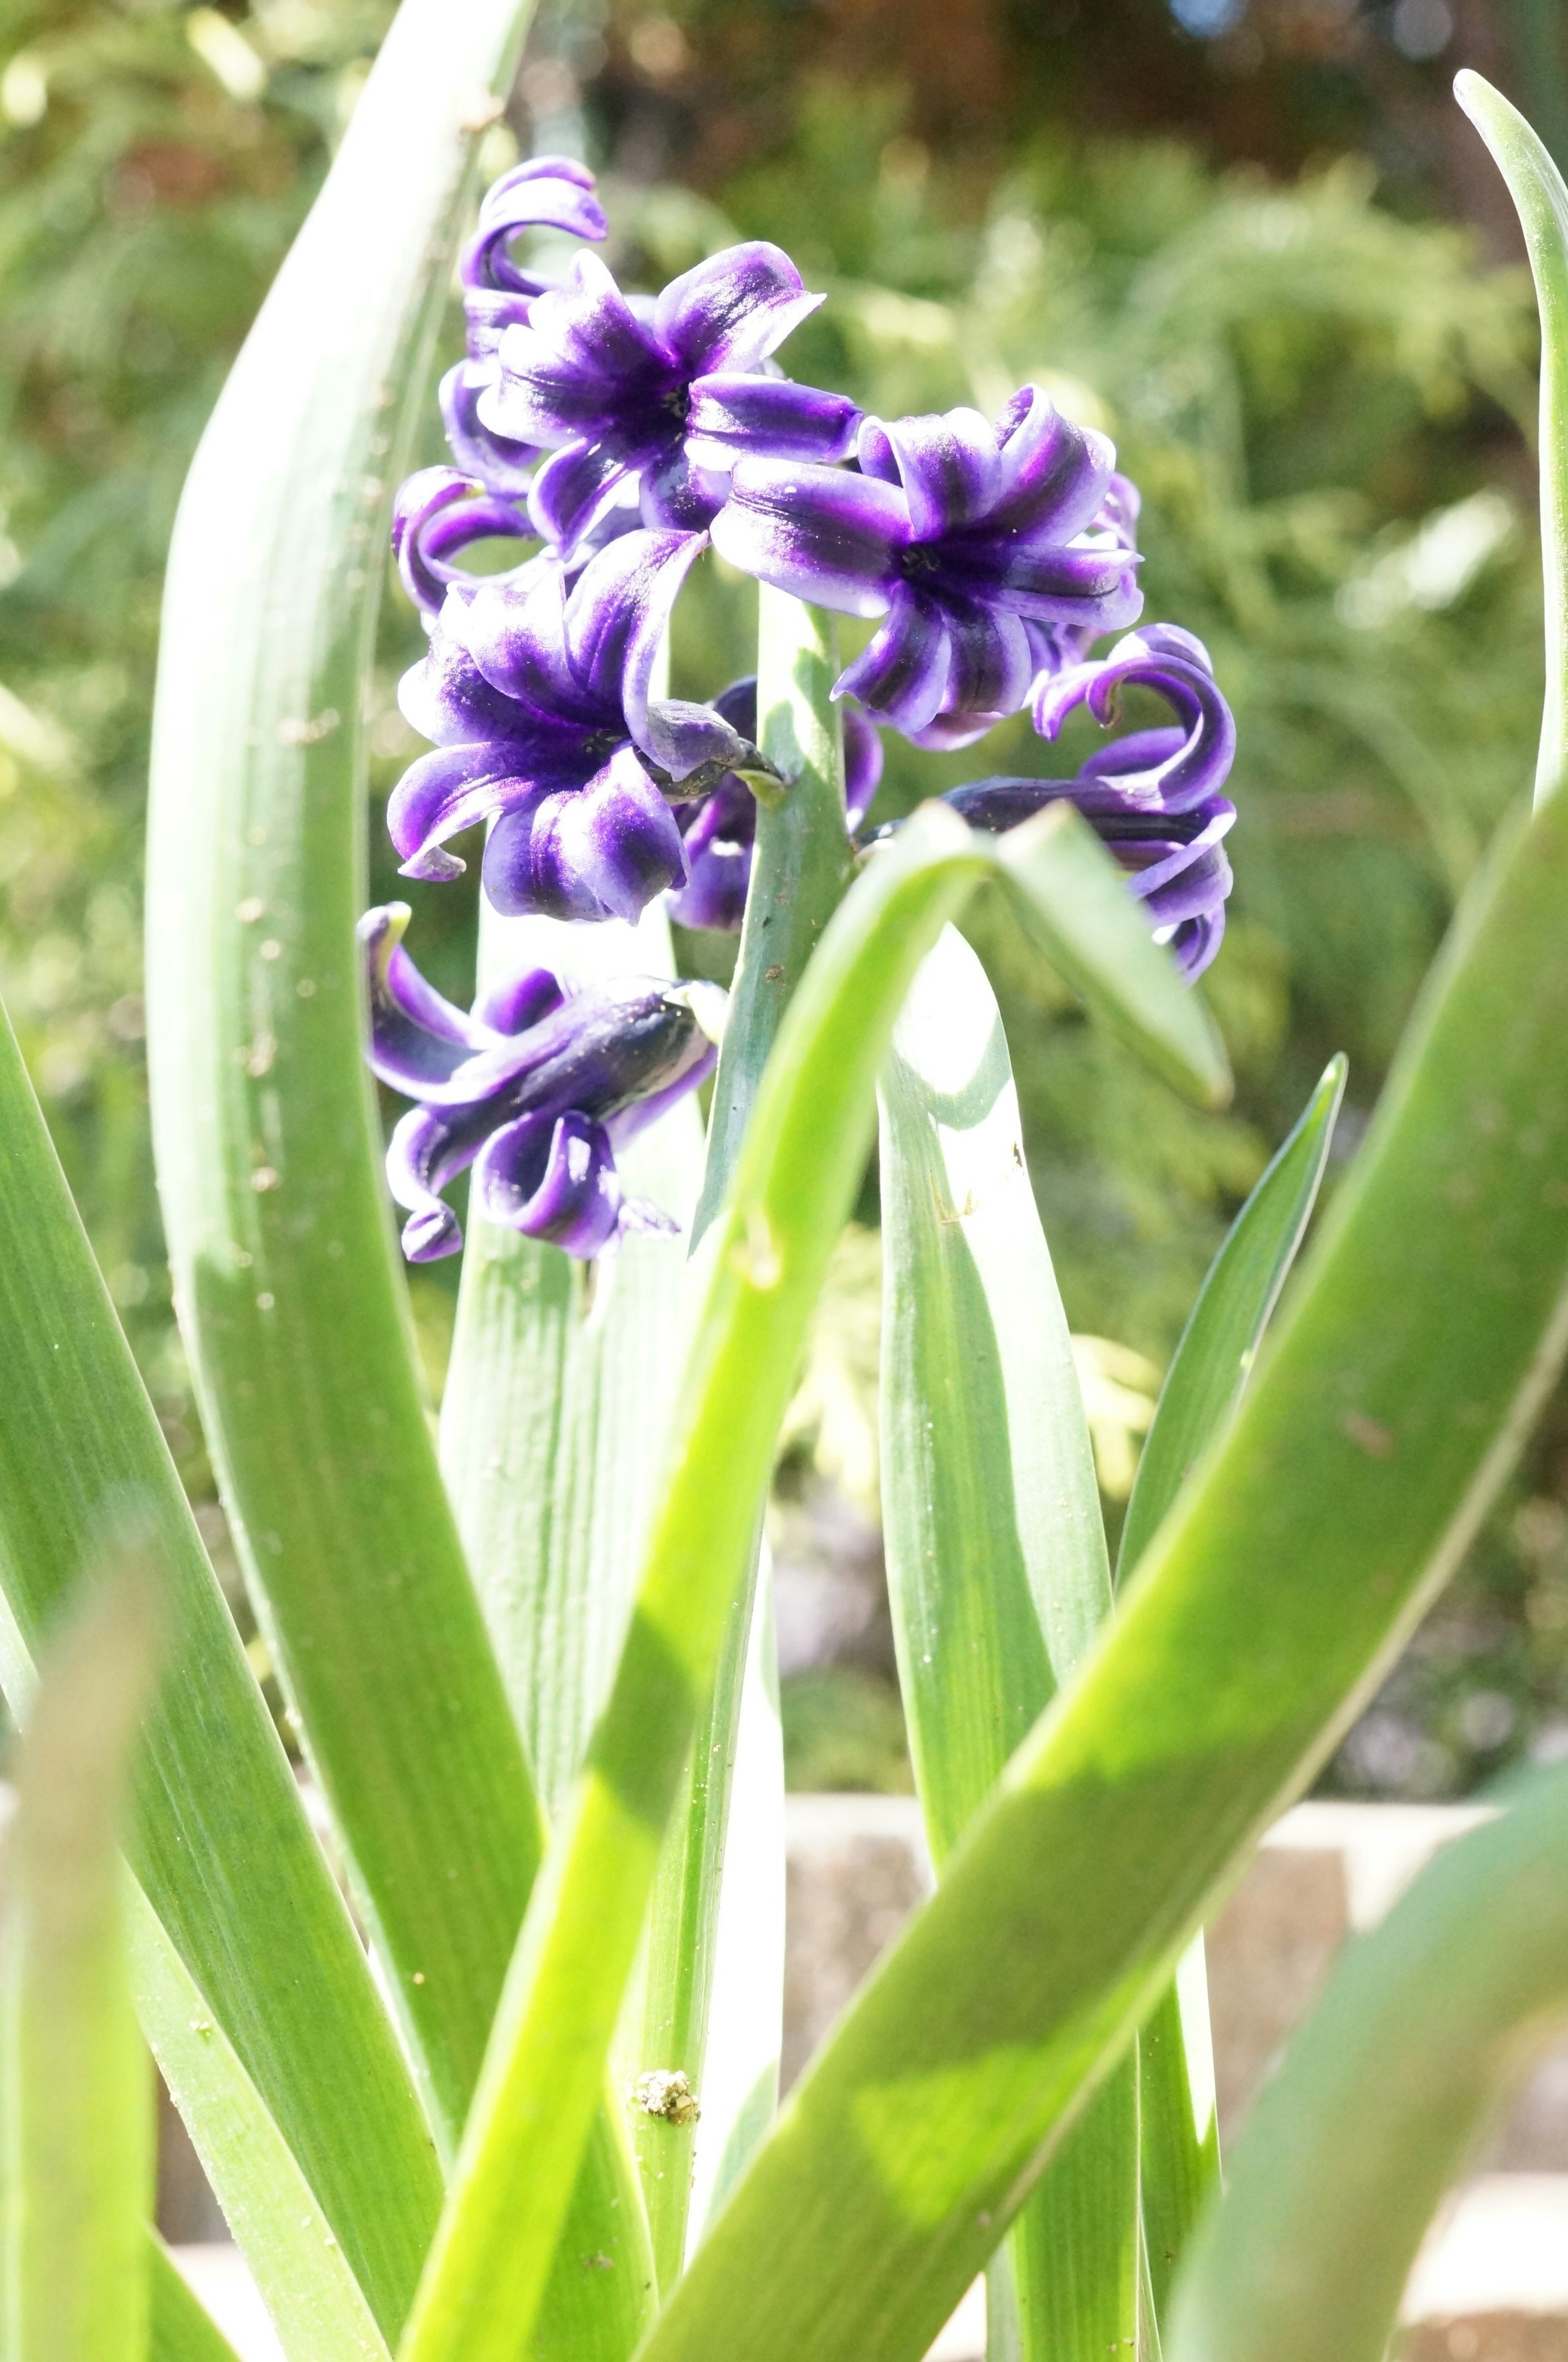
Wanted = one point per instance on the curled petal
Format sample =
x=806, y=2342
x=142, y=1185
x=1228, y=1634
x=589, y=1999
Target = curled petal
x=573, y=490
x=449, y=791
x=768, y=417
x=519, y=1000
x=425, y=1153
x=603, y=851
x=553, y=1178
x=831, y=539
x=949, y=465
x=445, y=697
x=1177, y=666
x=549, y=191
x=676, y=496
x=733, y=310
x=436, y=514
x=417, y=1038
x=616, y=617
x=862, y=766
x=901, y=674
x=502, y=466
x=1055, y=473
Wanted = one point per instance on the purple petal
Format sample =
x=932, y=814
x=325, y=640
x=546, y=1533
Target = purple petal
x=1055, y=473
x=549, y=192
x=502, y=466
x=831, y=539
x=436, y=514
x=416, y=1036
x=445, y=697
x=1084, y=582
x=572, y=491
x=950, y=468
x=713, y=897
x=733, y=310
x=1194, y=945
x=445, y=792
x=516, y=635
x=519, y=1000
x=862, y=766
x=616, y=617
x=487, y=316
x=901, y=676
x=990, y=668
x=1177, y=666
x=425, y=1153
x=677, y=497
x=603, y=851
x=583, y=364
x=874, y=455
x=553, y=1179
x=768, y=417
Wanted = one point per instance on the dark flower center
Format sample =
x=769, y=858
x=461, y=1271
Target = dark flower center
x=918, y=558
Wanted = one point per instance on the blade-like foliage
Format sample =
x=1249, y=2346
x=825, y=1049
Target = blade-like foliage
x=1536, y=187
x=180, y=2329
x=1383, y=2093
x=219, y=1840
x=76, y=2117
x=1177, y=2127
x=997, y=1566
x=765, y=1260
x=264, y=1122
x=1416, y=1354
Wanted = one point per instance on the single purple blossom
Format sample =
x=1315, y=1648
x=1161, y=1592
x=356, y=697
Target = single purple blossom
x=974, y=542
x=536, y=696
x=671, y=393
x=1152, y=796
x=548, y=193
x=537, y=1088
x=720, y=831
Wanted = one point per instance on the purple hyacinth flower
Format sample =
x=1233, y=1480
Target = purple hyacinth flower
x=974, y=542
x=720, y=831
x=1152, y=796
x=536, y=696
x=548, y=193
x=536, y=1089
x=671, y=393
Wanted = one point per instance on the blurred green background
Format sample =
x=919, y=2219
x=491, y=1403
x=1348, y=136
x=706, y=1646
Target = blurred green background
x=1253, y=239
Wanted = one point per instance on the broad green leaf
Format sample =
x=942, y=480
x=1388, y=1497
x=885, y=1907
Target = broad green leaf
x=1536, y=187
x=181, y=2329
x=1419, y=1345
x=1382, y=2096
x=1178, y=2130
x=997, y=1566
x=314, y=2301
x=264, y=1123
x=76, y=2117
x=219, y=1840
x=764, y=1262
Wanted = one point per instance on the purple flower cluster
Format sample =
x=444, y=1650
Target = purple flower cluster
x=611, y=437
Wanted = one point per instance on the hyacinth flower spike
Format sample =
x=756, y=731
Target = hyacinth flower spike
x=535, y=695
x=1152, y=796
x=548, y=193
x=536, y=1089
x=671, y=394
x=720, y=832
x=962, y=535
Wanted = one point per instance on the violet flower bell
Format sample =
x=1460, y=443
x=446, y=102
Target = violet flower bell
x=671, y=393
x=547, y=192
x=537, y=1089
x=978, y=545
x=1152, y=796
x=721, y=832
x=535, y=694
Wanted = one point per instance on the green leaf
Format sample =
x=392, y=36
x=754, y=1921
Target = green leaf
x=1382, y=2096
x=219, y=1843
x=1421, y=1343
x=1178, y=2130
x=1536, y=187
x=997, y=1565
x=1072, y=900
x=76, y=2117
x=764, y=1261
x=268, y=1149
